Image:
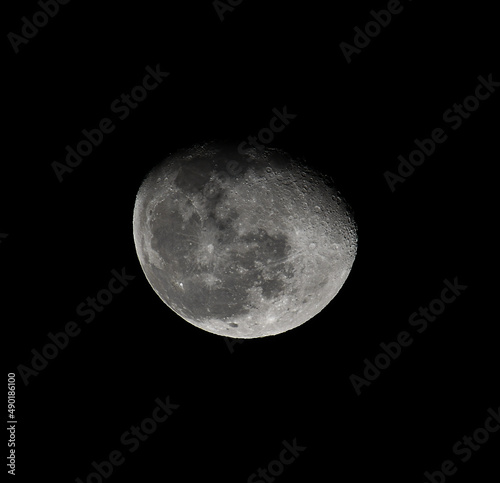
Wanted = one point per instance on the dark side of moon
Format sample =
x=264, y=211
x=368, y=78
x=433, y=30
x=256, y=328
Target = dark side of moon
x=242, y=245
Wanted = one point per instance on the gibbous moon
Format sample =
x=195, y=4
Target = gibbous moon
x=242, y=244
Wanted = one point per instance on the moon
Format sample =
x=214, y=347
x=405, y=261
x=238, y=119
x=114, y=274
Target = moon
x=242, y=244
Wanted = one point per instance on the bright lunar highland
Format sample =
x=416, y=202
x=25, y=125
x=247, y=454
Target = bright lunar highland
x=242, y=245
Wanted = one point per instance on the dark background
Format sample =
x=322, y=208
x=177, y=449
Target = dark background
x=236, y=406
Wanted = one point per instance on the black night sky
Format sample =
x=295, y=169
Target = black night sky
x=404, y=117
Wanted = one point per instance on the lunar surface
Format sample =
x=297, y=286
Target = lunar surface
x=242, y=245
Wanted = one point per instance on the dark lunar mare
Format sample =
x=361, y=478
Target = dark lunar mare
x=213, y=229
